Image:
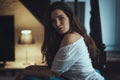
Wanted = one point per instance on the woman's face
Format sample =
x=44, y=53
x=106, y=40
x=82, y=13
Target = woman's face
x=60, y=21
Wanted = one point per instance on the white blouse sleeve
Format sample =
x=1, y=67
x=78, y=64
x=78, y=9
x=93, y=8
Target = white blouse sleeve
x=68, y=55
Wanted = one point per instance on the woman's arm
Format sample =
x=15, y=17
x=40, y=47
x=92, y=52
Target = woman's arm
x=36, y=70
x=68, y=53
x=40, y=73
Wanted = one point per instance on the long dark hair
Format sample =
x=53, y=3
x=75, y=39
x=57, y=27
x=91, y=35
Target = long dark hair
x=52, y=38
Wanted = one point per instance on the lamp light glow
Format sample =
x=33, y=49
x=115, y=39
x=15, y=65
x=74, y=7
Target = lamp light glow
x=26, y=37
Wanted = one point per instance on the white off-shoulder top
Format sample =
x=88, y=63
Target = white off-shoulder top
x=73, y=62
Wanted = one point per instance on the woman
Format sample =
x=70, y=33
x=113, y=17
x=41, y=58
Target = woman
x=67, y=47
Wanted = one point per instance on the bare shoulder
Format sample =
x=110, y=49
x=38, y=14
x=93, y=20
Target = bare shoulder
x=70, y=38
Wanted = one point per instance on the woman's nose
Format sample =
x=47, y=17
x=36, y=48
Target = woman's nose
x=57, y=23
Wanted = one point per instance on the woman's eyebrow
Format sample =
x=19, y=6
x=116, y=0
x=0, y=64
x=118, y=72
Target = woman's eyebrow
x=60, y=15
x=57, y=17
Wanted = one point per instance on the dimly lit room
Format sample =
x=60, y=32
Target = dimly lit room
x=22, y=31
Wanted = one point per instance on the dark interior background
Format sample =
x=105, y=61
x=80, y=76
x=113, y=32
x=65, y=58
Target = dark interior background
x=7, y=38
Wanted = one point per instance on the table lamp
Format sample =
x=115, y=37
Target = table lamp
x=26, y=38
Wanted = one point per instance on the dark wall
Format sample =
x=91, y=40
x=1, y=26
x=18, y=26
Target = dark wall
x=37, y=7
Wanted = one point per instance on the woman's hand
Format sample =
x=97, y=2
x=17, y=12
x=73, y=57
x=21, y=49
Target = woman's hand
x=29, y=71
x=35, y=70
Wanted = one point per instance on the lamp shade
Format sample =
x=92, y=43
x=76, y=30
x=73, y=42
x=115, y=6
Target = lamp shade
x=26, y=37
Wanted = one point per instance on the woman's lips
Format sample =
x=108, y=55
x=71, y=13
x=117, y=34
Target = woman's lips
x=60, y=29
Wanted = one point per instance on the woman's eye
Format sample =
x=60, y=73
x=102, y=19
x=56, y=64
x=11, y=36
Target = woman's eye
x=61, y=18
